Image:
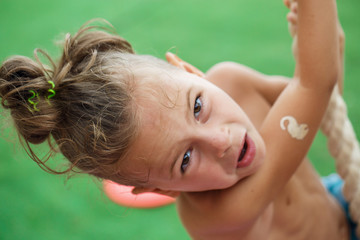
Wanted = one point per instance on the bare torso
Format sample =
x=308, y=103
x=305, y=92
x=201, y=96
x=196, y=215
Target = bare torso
x=303, y=210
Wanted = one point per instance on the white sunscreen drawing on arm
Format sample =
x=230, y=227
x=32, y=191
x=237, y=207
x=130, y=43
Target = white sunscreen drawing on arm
x=297, y=131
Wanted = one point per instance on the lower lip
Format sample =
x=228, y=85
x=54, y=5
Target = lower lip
x=250, y=154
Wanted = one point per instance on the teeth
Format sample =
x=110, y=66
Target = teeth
x=243, y=151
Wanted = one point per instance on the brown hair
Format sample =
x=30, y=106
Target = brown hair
x=92, y=117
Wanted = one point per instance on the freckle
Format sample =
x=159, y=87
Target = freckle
x=288, y=201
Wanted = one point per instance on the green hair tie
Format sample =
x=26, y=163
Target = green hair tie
x=35, y=94
x=51, y=90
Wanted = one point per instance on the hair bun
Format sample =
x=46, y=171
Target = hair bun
x=91, y=117
x=20, y=78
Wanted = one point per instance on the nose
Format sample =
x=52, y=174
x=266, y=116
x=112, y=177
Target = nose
x=217, y=140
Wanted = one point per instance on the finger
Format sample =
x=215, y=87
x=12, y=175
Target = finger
x=294, y=7
x=191, y=68
x=292, y=18
x=173, y=60
x=287, y=3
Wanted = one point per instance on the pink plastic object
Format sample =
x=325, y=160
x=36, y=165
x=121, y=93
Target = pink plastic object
x=122, y=195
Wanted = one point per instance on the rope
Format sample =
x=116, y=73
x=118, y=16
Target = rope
x=344, y=147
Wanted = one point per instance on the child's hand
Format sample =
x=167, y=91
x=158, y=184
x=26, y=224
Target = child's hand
x=292, y=18
x=178, y=62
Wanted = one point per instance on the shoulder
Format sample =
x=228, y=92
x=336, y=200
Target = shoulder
x=203, y=215
x=216, y=215
x=240, y=81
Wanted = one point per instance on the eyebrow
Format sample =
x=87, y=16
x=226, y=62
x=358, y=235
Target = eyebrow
x=188, y=104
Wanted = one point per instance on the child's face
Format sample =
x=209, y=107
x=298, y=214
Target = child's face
x=192, y=137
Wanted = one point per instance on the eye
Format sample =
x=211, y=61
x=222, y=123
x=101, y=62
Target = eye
x=197, y=107
x=186, y=161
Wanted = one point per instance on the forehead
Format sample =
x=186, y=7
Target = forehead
x=161, y=90
x=161, y=101
x=161, y=98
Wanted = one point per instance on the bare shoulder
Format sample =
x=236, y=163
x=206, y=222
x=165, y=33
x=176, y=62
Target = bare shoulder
x=216, y=215
x=240, y=81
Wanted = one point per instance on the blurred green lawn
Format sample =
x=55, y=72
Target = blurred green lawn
x=37, y=205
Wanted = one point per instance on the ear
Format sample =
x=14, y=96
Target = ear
x=139, y=190
x=178, y=62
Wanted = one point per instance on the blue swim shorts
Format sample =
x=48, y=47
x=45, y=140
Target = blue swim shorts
x=333, y=183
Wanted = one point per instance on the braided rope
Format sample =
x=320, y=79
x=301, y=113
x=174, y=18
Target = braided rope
x=344, y=147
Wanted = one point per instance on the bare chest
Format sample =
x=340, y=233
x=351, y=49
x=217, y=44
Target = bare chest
x=304, y=210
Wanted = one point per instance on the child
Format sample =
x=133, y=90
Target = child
x=238, y=173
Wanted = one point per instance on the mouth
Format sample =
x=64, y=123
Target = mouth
x=247, y=153
x=243, y=151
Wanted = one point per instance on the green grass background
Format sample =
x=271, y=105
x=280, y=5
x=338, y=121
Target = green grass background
x=37, y=205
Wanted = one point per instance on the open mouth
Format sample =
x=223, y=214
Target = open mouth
x=247, y=153
x=243, y=151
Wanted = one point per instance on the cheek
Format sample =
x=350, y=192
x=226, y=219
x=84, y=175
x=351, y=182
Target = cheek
x=211, y=175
